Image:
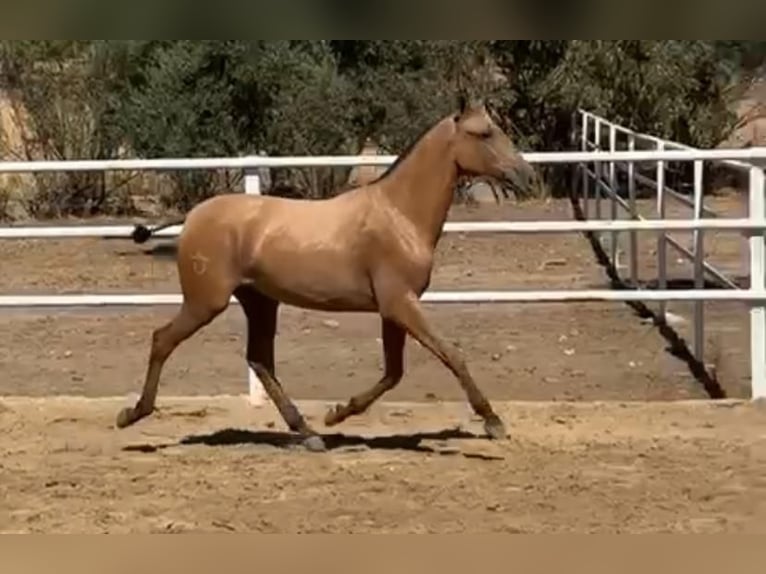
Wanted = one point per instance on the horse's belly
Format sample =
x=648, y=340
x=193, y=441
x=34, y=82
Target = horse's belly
x=323, y=301
x=318, y=281
x=319, y=297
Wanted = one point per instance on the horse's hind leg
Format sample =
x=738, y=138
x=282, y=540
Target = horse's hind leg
x=261, y=314
x=187, y=321
x=393, y=352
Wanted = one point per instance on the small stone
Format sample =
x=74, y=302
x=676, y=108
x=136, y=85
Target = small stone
x=67, y=354
x=569, y=352
x=511, y=348
x=553, y=263
x=331, y=323
x=355, y=448
x=495, y=356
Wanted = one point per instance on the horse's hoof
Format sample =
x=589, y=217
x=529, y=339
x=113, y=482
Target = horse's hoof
x=126, y=417
x=314, y=443
x=495, y=428
x=333, y=417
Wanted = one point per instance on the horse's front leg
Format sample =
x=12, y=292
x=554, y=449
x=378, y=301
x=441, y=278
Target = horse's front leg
x=404, y=308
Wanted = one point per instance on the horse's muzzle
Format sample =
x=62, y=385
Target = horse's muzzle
x=522, y=178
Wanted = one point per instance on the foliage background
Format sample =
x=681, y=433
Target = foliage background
x=108, y=99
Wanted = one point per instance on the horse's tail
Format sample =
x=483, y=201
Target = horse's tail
x=142, y=233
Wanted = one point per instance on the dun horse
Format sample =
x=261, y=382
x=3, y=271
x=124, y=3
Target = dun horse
x=370, y=249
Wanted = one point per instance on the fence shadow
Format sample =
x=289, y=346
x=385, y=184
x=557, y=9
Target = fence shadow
x=677, y=346
x=681, y=283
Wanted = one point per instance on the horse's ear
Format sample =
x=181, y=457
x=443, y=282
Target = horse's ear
x=462, y=102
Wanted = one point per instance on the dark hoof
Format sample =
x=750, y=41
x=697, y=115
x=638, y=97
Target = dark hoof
x=129, y=416
x=495, y=428
x=334, y=415
x=314, y=443
x=126, y=417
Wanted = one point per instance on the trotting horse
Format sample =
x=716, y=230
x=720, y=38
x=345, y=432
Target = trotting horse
x=370, y=249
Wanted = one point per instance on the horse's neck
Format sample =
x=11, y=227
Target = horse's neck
x=422, y=186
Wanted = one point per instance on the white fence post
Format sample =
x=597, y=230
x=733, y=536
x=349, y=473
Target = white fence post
x=584, y=165
x=699, y=265
x=757, y=283
x=612, y=174
x=597, y=171
x=256, y=392
x=662, y=253
x=633, y=212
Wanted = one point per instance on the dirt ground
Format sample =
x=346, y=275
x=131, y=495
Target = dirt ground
x=573, y=463
x=217, y=464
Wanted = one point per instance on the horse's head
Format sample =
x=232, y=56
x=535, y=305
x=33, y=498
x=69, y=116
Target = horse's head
x=481, y=147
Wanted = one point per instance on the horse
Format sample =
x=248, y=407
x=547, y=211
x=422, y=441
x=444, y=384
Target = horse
x=369, y=249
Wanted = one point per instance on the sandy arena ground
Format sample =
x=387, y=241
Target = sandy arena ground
x=571, y=465
x=219, y=465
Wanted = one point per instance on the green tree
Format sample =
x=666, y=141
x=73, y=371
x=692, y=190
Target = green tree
x=61, y=100
x=184, y=98
x=224, y=98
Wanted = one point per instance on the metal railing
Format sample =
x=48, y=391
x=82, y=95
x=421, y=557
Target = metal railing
x=607, y=185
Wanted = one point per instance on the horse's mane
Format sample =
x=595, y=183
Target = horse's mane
x=406, y=153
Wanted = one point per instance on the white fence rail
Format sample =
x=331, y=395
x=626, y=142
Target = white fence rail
x=754, y=225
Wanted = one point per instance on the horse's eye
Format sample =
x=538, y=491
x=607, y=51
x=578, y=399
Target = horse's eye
x=485, y=135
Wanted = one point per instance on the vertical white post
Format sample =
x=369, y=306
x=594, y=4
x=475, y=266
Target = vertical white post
x=597, y=171
x=584, y=147
x=662, y=252
x=613, y=196
x=256, y=392
x=699, y=268
x=633, y=213
x=757, y=283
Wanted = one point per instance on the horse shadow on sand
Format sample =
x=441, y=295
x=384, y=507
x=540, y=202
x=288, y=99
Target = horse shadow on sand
x=333, y=442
